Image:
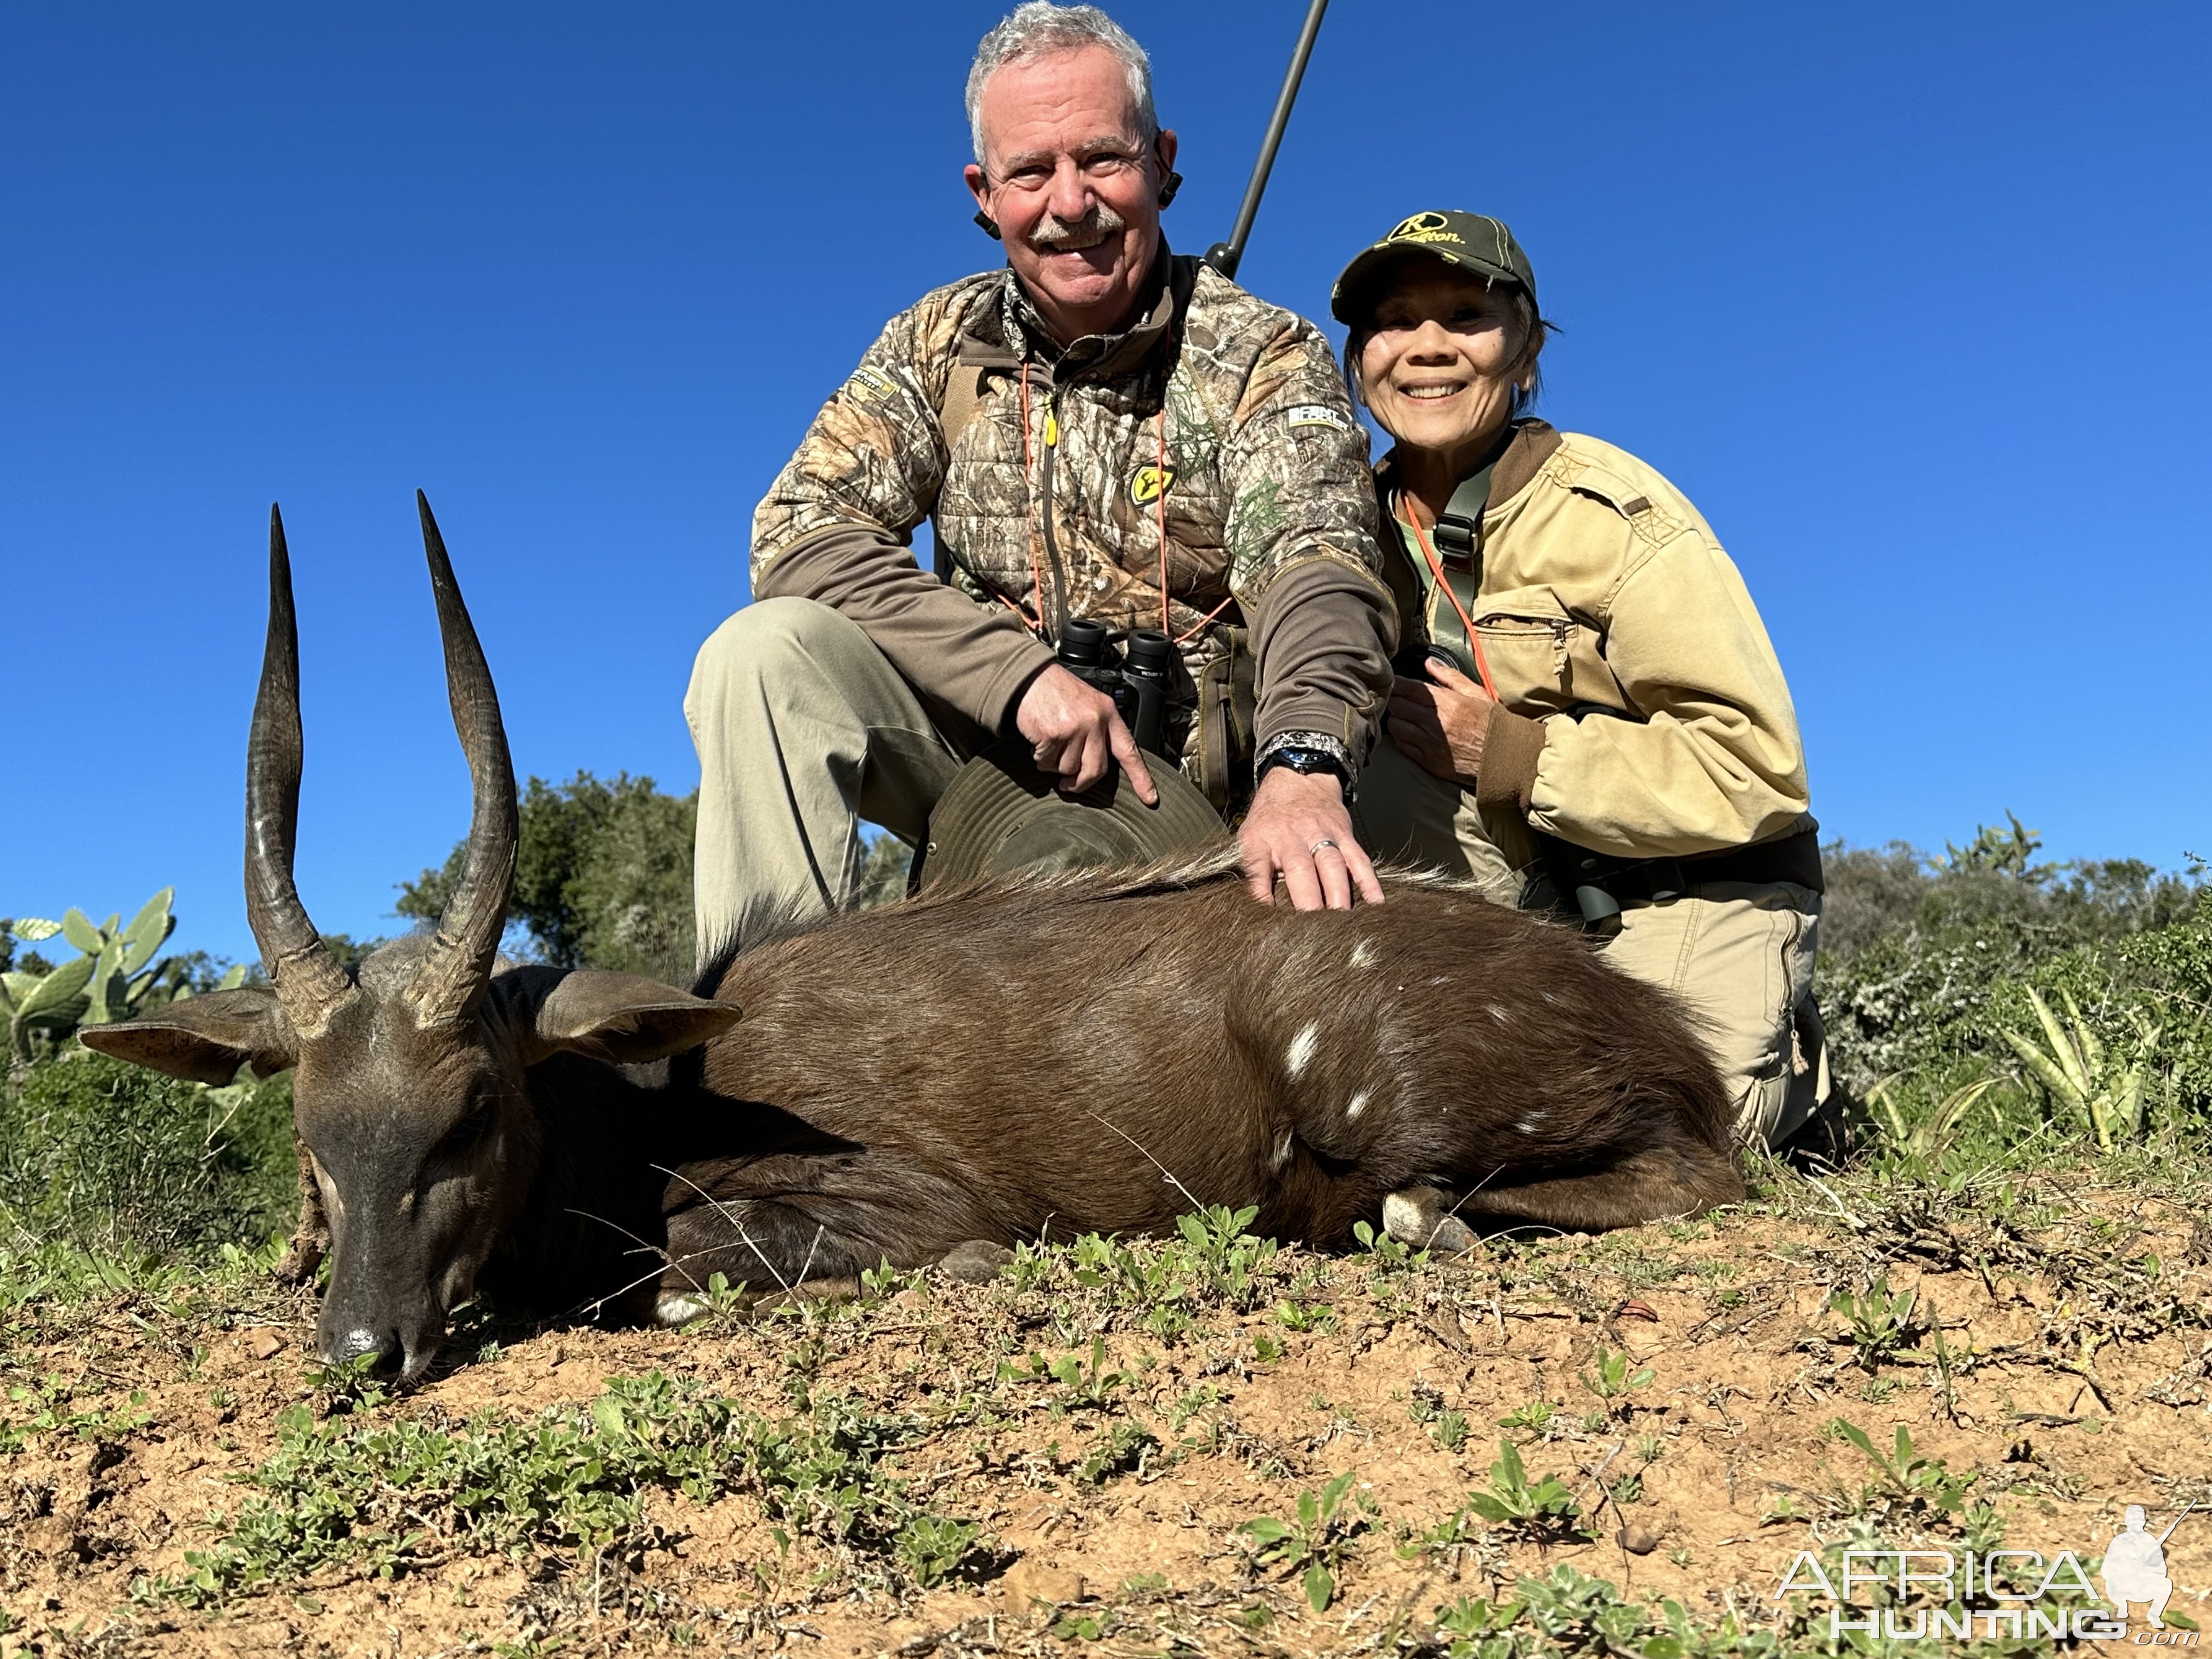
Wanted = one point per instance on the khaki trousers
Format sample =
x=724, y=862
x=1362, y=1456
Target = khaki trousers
x=804, y=729
x=1738, y=956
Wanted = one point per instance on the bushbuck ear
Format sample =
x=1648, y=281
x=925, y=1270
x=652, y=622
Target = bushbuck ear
x=203, y=1039
x=615, y=1016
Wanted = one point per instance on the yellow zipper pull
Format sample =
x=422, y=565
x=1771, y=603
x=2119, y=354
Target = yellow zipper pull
x=1051, y=428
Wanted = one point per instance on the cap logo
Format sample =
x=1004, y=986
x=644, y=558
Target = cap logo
x=1424, y=227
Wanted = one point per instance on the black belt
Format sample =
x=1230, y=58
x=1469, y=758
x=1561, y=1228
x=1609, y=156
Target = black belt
x=1574, y=879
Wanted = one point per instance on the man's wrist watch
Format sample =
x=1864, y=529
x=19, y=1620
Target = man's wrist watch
x=1310, y=754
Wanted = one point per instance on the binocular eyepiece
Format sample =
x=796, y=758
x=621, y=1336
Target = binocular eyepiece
x=1138, y=682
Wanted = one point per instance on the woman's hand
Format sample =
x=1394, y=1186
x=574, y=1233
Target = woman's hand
x=1299, y=829
x=1440, y=724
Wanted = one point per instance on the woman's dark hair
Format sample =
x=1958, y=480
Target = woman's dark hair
x=1530, y=330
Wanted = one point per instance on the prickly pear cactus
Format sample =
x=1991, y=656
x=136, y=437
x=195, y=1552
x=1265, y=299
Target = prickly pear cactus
x=116, y=975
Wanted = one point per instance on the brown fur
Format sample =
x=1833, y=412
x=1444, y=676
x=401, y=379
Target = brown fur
x=1040, y=1058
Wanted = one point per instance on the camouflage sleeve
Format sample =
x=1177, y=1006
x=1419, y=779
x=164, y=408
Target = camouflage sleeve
x=1303, y=562
x=838, y=527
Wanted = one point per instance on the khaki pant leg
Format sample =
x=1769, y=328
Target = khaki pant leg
x=1406, y=815
x=803, y=728
x=1740, y=958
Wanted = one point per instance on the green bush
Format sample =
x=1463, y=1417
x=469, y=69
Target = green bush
x=602, y=879
x=116, y=1160
x=1923, y=960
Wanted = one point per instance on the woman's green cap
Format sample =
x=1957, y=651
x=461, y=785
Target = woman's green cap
x=1470, y=241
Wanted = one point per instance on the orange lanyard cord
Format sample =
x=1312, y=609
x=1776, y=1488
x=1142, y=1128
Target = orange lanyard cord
x=1412, y=521
x=1037, y=571
x=1160, y=513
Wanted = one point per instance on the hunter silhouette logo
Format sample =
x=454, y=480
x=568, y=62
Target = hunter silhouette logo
x=1150, y=483
x=2135, y=1567
x=1929, y=1594
x=1422, y=225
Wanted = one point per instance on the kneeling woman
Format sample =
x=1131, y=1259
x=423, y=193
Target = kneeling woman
x=1589, y=713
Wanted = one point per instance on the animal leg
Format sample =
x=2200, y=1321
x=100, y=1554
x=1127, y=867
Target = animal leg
x=311, y=1239
x=1421, y=1218
x=767, y=1244
x=1646, y=1185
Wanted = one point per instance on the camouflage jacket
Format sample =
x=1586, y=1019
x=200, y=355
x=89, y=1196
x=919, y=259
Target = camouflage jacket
x=1049, y=498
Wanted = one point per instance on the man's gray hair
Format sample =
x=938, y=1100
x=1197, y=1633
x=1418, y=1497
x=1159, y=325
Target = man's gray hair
x=1038, y=28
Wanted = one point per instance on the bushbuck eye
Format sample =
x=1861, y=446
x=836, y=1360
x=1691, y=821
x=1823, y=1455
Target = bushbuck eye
x=465, y=1137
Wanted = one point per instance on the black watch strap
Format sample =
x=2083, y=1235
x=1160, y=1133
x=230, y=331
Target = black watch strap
x=1308, y=761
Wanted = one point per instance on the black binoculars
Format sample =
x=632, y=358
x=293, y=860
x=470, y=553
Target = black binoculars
x=1138, y=682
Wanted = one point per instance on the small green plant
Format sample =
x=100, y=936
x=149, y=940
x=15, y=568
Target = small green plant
x=1612, y=1380
x=1535, y=1509
x=1922, y=1143
x=2103, y=1089
x=1122, y=1449
x=1089, y=1386
x=1394, y=1254
x=1474, y=1628
x=1296, y=1316
x=1920, y=1482
x=49, y=1406
x=1880, y=1321
x=1212, y=1261
x=1314, y=1545
x=1534, y=1415
x=931, y=1548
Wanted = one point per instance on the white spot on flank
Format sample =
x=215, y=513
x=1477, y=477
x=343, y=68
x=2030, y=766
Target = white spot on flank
x=1528, y=1125
x=1282, y=1150
x=1301, y=1048
x=1497, y=1012
x=1358, y=1105
x=1363, y=955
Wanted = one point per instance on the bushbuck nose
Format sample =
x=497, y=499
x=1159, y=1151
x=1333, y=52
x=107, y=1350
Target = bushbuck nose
x=389, y=1353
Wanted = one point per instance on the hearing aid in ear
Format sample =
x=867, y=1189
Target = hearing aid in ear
x=990, y=226
x=1168, y=191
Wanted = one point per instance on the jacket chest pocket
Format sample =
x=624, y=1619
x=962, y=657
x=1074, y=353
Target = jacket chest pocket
x=1539, y=656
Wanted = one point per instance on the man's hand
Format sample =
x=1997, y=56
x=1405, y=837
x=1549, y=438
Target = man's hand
x=1299, y=829
x=1441, y=724
x=1074, y=731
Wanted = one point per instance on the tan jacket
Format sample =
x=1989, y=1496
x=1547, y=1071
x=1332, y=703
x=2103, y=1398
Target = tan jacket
x=1602, y=589
x=1049, y=498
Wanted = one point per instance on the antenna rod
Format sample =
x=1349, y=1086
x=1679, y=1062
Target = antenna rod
x=1225, y=257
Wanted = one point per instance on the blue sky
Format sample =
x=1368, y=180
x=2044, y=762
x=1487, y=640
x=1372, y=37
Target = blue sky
x=1909, y=300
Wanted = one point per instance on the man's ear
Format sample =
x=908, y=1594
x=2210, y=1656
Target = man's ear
x=622, y=1017
x=203, y=1039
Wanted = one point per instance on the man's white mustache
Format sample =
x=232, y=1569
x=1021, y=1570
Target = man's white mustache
x=1097, y=225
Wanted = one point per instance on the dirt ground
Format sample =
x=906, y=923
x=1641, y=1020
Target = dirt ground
x=2053, y=1358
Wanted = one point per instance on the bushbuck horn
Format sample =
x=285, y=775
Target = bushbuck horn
x=457, y=968
x=309, y=985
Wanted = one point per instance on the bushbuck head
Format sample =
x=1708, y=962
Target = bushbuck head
x=410, y=1096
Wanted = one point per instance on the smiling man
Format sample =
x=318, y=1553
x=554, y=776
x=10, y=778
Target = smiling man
x=1099, y=429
